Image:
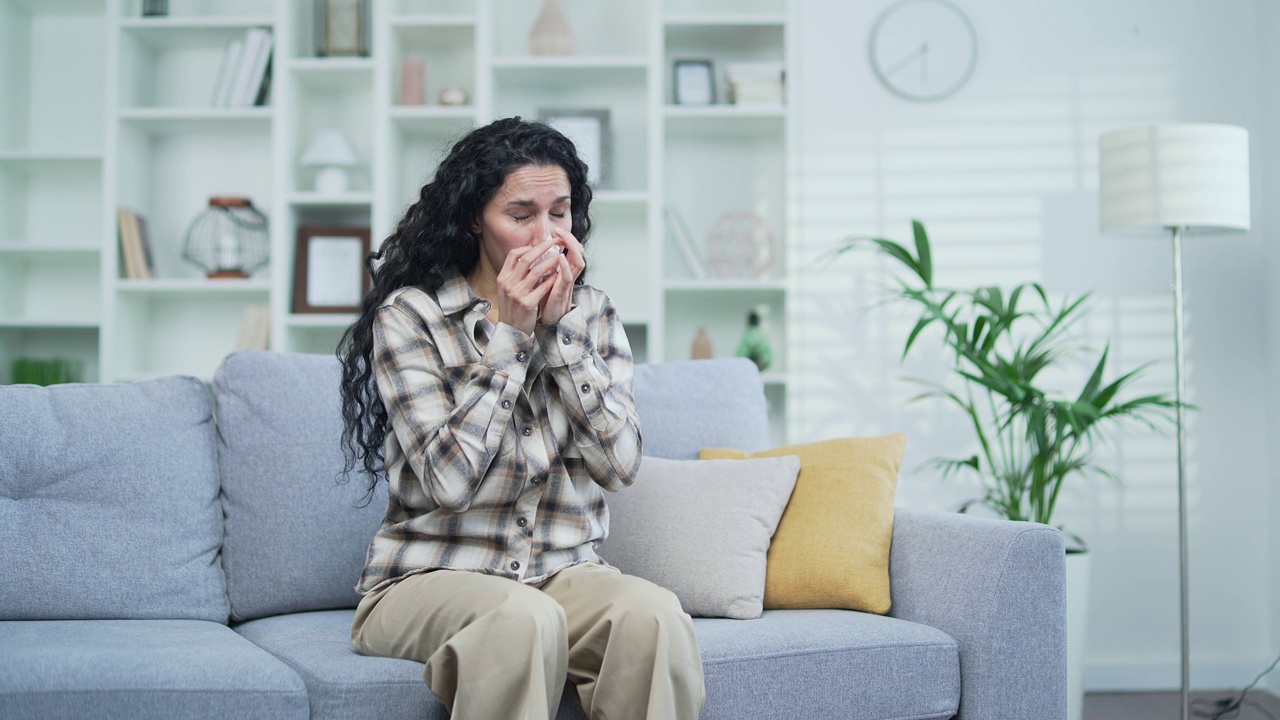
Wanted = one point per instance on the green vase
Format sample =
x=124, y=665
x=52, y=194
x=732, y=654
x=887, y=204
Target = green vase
x=754, y=345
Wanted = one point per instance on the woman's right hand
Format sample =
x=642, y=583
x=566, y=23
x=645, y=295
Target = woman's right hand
x=524, y=281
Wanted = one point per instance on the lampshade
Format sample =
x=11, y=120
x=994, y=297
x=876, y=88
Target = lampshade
x=330, y=147
x=1191, y=176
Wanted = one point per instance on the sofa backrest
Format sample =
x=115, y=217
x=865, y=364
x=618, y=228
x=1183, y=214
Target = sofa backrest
x=109, y=502
x=691, y=404
x=295, y=536
x=296, y=539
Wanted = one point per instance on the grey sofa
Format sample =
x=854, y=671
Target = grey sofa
x=159, y=563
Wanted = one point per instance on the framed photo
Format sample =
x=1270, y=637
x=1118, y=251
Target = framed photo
x=342, y=28
x=329, y=269
x=693, y=82
x=590, y=133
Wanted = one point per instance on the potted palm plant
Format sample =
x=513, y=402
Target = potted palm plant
x=1031, y=438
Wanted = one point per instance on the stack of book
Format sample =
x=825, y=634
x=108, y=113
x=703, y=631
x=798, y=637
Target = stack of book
x=135, y=246
x=755, y=83
x=244, y=78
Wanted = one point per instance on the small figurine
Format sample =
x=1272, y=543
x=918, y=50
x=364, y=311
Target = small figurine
x=755, y=345
x=453, y=95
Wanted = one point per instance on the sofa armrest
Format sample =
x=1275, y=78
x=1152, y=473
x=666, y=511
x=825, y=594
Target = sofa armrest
x=999, y=589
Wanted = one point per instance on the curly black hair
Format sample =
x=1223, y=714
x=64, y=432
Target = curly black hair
x=433, y=241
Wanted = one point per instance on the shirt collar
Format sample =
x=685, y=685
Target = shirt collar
x=455, y=295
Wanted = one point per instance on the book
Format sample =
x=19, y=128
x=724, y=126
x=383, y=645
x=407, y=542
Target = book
x=130, y=244
x=676, y=225
x=255, y=328
x=254, y=38
x=144, y=239
x=227, y=72
x=259, y=62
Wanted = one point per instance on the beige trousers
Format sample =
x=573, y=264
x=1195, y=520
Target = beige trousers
x=497, y=649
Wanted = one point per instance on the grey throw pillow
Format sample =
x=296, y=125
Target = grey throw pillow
x=701, y=529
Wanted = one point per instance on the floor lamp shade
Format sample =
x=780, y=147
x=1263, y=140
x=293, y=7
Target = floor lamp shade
x=1186, y=175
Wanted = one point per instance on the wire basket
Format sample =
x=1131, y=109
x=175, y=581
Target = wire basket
x=228, y=239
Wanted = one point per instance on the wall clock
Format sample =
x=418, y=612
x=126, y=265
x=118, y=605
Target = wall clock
x=923, y=50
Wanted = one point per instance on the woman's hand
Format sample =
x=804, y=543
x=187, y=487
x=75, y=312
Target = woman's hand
x=568, y=267
x=526, y=280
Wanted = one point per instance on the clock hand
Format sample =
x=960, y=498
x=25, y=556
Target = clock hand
x=904, y=61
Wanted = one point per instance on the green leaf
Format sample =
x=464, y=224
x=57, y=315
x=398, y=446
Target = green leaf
x=925, y=266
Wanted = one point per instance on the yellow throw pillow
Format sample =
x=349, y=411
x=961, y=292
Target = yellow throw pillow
x=831, y=549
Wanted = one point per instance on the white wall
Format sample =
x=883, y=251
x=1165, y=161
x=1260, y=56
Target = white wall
x=1004, y=175
x=1269, y=147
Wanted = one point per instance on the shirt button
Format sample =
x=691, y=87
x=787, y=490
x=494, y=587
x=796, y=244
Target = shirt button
x=522, y=356
x=565, y=339
x=506, y=404
x=585, y=388
x=515, y=564
x=522, y=522
x=528, y=431
x=537, y=480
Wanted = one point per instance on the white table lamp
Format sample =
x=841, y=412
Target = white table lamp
x=331, y=152
x=1180, y=179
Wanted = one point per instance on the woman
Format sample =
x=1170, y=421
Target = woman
x=493, y=389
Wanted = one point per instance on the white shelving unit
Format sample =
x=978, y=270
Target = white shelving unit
x=109, y=109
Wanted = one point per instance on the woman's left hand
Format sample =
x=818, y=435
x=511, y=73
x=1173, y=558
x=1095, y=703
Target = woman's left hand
x=568, y=267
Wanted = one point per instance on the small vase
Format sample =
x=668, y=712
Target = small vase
x=551, y=34
x=701, y=349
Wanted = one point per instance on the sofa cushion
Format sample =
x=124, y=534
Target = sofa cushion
x=701, y=529
x=344, y=685
x=109, y=502
x=832, y=545
x=827, y=663
x=141, y=669
x=688, y=405
x=787, y=663
x=295, y=537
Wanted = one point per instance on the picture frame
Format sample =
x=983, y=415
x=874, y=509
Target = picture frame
x=590, y=131
x=329, y=274
x=693, y=82
x=341, y=28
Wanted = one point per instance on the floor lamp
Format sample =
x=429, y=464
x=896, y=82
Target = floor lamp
x=1183, y=179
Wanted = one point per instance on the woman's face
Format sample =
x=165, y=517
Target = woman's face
x=532, y=200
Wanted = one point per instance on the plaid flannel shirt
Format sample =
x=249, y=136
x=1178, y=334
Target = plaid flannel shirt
x=500, y=445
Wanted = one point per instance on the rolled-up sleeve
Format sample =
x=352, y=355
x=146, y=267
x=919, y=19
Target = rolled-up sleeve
x=590, y=361
x=449, y=432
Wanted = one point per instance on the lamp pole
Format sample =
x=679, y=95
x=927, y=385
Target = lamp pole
x=1182, y=472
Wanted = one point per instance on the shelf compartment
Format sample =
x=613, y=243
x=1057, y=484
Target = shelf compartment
x=78, y=342
x=724, y=316
x=174, y=61
x=36, y=192
x=618, y=257
x=527, y=91
x=722, y=44
x=177, y=332
x=600, y=27
x=341, y=74
x=195, y=286
x=52, y=75
x=50, y=288
x=156, y=176
x=325, y=101
x=448, y=53
x=435, y=8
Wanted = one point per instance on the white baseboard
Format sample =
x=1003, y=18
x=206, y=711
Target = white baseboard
x=1159, y=675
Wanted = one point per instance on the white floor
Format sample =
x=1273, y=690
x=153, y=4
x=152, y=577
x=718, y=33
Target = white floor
x=1258, y=705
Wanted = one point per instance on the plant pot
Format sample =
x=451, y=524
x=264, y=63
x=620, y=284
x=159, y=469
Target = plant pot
x=1078, y=571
